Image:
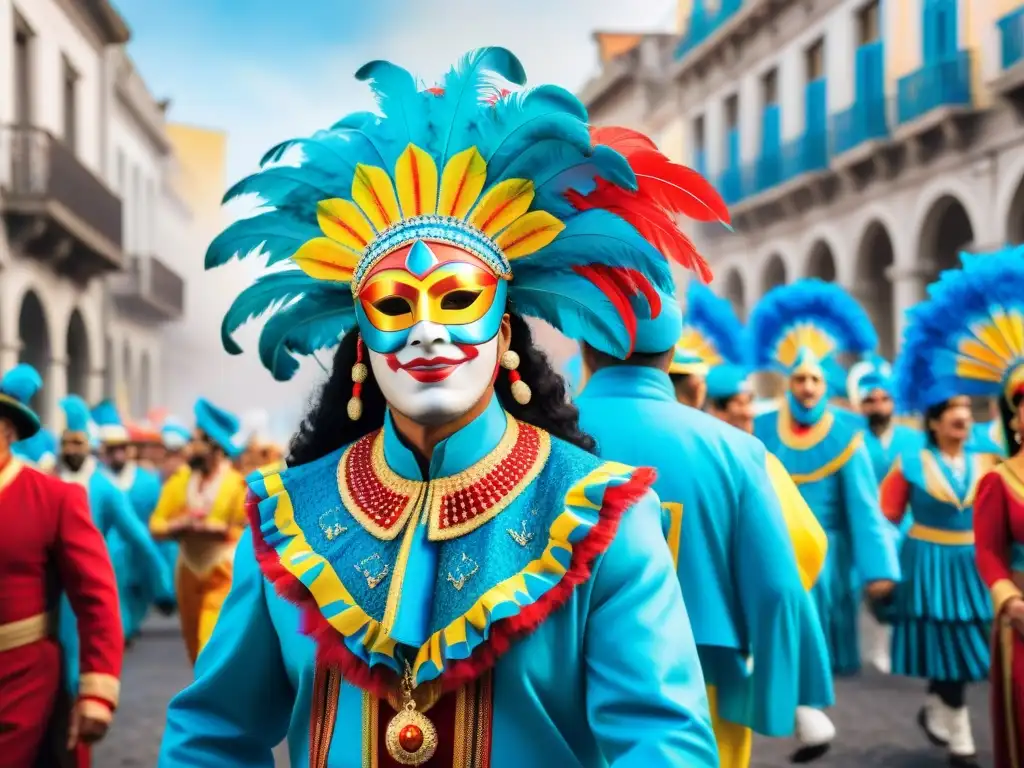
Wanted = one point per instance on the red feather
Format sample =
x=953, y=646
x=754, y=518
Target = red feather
x=654, y=223
x=617, y=294
x=677, y=188
x=625, y=141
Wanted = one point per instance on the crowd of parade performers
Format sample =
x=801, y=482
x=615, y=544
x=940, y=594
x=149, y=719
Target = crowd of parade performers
x=463, y=564
x=105, y=521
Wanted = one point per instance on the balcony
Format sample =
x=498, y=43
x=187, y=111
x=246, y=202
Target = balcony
x=857, y=131
x=934, y=93
x=730, y=185
x=1010, y=81
x=55, y=209
x=703, y=26
x=149, y=290
x=805, y=155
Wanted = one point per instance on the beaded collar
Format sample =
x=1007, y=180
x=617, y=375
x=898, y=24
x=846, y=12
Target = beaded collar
x=382, y=501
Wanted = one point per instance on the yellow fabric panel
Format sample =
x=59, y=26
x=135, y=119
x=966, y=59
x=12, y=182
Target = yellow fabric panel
x=172, y=501
x=735, y=742
x=809, y=540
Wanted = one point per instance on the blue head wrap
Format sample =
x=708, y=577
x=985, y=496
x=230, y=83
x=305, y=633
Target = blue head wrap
x=174, y=434
x=872, y=373
x=222, y=427
x=967, y=337
x=112, y=430
x=17, y=388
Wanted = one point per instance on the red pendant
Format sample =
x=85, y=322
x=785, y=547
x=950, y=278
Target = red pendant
x=410, y=738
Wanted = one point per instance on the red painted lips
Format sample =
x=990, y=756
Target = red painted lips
x=433, y=369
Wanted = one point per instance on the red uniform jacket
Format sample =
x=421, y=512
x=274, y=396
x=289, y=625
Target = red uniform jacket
x=50, y=544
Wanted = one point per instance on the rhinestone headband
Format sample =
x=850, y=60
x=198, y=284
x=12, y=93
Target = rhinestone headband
x=438, y=229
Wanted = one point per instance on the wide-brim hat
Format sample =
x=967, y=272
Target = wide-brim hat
x=26, y=422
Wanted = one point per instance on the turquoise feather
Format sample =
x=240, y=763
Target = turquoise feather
x=277, y=233
x=299, y=329
x=22, y=383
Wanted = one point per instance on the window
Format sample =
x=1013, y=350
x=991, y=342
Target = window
x=22, y=72
x=732, y=112
x=698, y=134
x=770, y=88
x=70, y=80
x=814, y=60
x=869, y=23
x=150, y=224
x=133, y=202
x=121, y=171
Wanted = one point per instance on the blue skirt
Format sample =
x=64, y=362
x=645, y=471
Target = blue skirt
x=837, y=601
x=941, y=614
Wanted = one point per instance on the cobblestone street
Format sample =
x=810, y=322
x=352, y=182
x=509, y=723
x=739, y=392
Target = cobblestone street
x=875, y=715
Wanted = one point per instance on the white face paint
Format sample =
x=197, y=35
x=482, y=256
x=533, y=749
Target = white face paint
x=431, y=379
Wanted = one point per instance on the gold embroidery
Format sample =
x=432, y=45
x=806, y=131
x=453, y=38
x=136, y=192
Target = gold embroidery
x=370, y=730
x=831, y=467
x=522, y=537
x=464, y=571
x=330, y=524
x=374, y=570
x=441, y=491
x=803, y=440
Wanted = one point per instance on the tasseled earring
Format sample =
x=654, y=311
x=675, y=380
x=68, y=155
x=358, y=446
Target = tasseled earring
x=359, y=374
x=520, y=389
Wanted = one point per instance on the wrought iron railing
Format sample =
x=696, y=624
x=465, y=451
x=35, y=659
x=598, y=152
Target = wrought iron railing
x=41, y=167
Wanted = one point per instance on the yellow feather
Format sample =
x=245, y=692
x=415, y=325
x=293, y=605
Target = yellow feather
x=324, y=259
x=529, y=234
x=981, y=353
x=462, y=182
x=416, y=182
x=972, y=369
x=502, y=205
x=373, y=192
x=991, y=335
x=343, y=222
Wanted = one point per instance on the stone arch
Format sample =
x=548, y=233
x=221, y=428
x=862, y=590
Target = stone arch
x=734, y=290
x=143, y=386
x=773, y=274
x=872, y=283
x=945, y=231
x=78, y=357
x=36, y=348
x=821, y=262
x=1015, y=215
x=127, y=377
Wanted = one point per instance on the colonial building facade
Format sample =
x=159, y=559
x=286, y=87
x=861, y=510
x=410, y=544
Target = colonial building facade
x=86, y=171
x=861, y=141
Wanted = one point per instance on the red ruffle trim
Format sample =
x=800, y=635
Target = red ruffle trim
x=379, y=680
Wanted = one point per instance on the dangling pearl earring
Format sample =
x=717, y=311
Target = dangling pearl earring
x=359, y=374
x=520, y=389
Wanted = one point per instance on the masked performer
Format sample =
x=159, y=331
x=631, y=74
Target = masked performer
x=49, y=541
x=973, y=327
x=797, y=329
x=202, y=508
x=142, y=487
x=478, y=587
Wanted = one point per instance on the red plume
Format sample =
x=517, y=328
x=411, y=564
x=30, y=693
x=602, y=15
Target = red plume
x=677, y=188
x=619, y=284
x=625, y=141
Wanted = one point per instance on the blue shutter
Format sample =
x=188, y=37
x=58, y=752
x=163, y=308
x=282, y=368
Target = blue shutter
x=816, y=105
x=771, y=130
x=948, y=24
x=733, y=149
x=929, y=32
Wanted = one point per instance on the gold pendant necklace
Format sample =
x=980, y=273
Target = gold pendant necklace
x=411, y=738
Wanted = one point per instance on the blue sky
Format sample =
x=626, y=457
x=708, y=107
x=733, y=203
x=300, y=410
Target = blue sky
x=273, y=71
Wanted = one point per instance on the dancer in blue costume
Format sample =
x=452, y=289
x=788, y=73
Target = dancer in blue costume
x=40, y=450
x=796, y=329
x=942, y=612
x=727, y=534
x=688, y=373
x=142, y=487
x=476, y=587
x=112, y=513
x=870, y=386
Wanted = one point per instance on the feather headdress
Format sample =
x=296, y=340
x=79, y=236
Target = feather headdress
x=712, y=328
x=806, y=324
x=967, y=337
x=576, y=215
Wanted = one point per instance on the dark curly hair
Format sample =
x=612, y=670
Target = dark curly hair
x=1008, y=416
x=327, y=427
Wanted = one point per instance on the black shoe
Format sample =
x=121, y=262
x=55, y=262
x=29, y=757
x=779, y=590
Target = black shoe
x=964, y=761
x=922, y=721
x=810, y=753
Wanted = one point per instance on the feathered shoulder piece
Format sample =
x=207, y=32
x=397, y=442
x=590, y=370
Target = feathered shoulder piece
x=807, y=323
x=577, y=220
x=712, y=329
x=967, y=337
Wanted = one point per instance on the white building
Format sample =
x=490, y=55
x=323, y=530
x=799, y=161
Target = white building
x=85, y=280
x=859, y=141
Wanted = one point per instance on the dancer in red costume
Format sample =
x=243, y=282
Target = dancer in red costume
x=49, y=538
